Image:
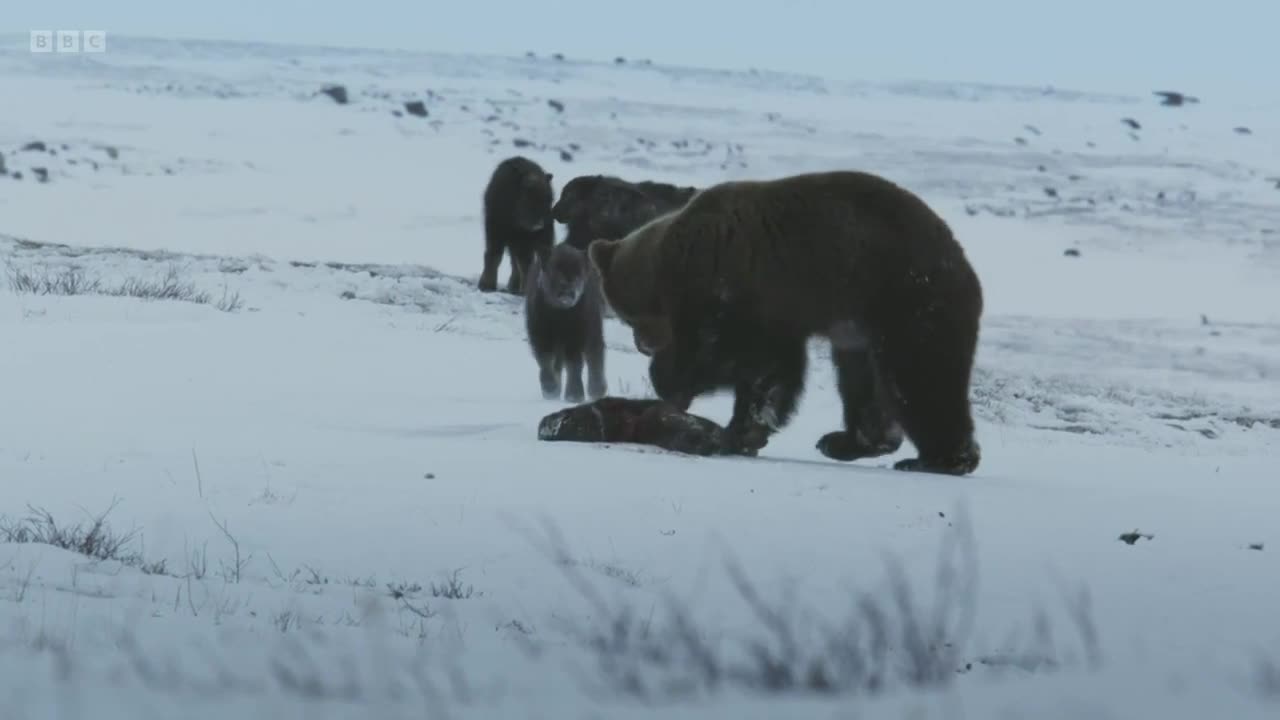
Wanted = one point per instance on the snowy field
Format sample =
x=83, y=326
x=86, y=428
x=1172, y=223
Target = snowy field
x=318, y=465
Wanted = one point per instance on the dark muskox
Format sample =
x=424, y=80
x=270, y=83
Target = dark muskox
x=595, y=207
x=564, y=322
x=517, y=220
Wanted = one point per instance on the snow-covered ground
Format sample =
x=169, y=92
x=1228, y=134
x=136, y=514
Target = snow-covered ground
x=329, y=424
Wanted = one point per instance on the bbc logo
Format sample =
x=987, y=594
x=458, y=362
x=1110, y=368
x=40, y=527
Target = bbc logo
x=68, y=41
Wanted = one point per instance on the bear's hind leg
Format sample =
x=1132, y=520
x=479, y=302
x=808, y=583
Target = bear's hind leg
x=930, y=374
x=870, y=429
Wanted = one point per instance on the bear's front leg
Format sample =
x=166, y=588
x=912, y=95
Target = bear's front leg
x=676, y=378
x=767, y=393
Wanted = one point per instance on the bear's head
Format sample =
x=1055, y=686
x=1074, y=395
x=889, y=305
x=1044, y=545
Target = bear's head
x=533, y=202
x=628, y=279
x=604, y=206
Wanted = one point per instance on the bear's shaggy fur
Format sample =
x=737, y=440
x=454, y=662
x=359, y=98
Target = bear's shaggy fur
x=563, y=319
x=597, y=207
x=726, y=291
x=517, y=220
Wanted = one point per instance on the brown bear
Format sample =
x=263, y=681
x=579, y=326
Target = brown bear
x=726, y=291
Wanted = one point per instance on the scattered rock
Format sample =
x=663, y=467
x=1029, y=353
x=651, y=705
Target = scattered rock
x=2, y=170
x=521, y=142
x=575, y=147
x=1071, y=252
x=1255, y=546
x=1020, y=141
x=530, y=54
x=337, y=92
x=41, y=174
x=65, y=146
x=35, y=146
x=1131, y=123
x=429, y=476
x=416, y=108
x=1032, y=129
x=1130, y=538
x=397, y=113
x=348, y=295
x=16, y=176
x=566, y=156
x=619, y=60
x=558, y=56
x=556, y=105
x=111, y=152
x=1171, y=98
x=1051, y=192
x=1242, y=130
x=1074, y=178
x=1041, y=168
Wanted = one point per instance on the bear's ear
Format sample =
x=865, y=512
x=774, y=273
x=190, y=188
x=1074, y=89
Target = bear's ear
x=601, y=253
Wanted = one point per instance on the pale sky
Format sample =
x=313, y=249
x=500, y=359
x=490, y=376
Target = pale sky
x=1210, y=48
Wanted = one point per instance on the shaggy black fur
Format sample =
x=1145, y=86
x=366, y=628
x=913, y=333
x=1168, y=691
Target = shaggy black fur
x=517, y=220
x=630, y=420
x=563, y=318
x=603, y=206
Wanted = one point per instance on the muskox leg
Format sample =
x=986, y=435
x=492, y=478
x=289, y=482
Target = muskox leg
x=549, y=375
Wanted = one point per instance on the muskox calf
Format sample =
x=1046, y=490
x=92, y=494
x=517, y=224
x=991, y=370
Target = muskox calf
x=564, y=322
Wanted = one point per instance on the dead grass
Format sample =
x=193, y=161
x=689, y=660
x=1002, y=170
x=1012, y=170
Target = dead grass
x=71, y=281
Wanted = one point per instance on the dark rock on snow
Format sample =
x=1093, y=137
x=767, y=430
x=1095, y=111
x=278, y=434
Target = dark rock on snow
x=337, y=92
